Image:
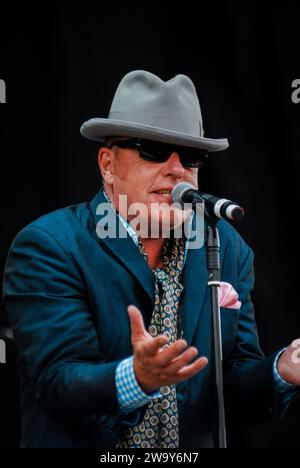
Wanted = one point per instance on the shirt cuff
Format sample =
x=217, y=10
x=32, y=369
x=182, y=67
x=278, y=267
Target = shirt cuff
x=282, y=386
x=129, y=393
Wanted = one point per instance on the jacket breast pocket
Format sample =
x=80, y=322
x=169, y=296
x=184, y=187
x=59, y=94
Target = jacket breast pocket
x=229, y=324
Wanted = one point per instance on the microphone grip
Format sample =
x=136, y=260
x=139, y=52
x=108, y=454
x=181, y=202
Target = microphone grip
x=222, y=208
x=213, y=251
x=213, y=261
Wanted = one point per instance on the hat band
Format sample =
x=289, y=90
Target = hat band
x=181, y=124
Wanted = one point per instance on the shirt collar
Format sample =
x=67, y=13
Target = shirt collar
x=127, y=226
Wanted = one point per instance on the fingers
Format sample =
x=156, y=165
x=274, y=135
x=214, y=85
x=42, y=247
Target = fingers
x=192, y=369
x=181, y=368
x=166, y=356
x=151, y=346
x=183, y=360
x=137, y=326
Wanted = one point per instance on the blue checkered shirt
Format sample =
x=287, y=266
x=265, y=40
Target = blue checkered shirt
x=281, y=385
x=129, y=393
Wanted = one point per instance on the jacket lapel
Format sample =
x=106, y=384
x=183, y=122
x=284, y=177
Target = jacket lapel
x=121, y=245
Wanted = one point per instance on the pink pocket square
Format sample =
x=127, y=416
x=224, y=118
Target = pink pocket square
x=228, y=297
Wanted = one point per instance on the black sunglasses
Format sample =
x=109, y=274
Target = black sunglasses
x=160, y=152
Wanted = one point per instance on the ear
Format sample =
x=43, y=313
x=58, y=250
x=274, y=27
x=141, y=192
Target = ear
x=105, y=162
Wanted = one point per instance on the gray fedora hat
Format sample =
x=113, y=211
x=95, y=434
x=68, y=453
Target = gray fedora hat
x=146, y=107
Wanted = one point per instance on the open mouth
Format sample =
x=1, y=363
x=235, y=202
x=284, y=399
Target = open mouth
x=164, y=192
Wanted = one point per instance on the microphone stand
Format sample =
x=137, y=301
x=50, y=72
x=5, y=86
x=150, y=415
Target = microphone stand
x=212, y=241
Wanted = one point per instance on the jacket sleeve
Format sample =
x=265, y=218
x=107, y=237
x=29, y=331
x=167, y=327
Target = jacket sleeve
x=250, y=387
x=56, y=339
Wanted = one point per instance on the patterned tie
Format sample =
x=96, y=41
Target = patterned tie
x=160, y=425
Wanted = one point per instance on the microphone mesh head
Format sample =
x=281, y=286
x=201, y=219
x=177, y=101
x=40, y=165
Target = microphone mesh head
x=179, y=190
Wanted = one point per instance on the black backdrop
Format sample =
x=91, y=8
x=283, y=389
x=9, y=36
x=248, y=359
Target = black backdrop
x=61, y=65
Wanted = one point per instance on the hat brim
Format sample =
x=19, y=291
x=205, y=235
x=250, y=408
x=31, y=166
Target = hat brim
x=99, y=129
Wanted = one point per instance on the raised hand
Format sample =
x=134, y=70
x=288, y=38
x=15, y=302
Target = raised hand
x=156, y=367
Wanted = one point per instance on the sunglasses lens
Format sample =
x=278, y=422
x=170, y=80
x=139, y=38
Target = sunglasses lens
x=160, y=152
x=189, y=157
x=152, y=152
x=193, y=157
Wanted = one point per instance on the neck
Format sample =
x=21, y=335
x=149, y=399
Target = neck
x=153, y=248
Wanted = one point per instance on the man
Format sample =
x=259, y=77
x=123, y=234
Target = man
x=114, y=332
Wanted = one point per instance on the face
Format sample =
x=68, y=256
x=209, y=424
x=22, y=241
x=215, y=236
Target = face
x=145, y=182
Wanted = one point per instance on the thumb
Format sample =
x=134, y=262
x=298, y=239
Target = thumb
x=138, y=331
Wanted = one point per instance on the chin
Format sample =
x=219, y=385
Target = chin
x=163, y=225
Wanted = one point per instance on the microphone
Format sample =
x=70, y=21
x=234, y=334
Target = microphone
x=214, y=206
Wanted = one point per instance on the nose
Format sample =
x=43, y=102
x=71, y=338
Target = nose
x=173, y=166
